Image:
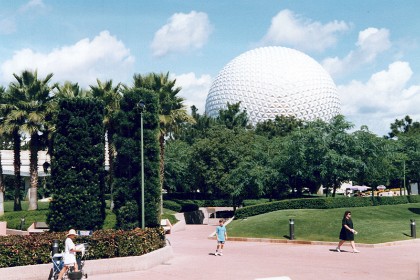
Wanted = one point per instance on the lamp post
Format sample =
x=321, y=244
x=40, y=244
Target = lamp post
x=141, y=105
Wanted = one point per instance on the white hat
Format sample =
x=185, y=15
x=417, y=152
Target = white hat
x=71, y=232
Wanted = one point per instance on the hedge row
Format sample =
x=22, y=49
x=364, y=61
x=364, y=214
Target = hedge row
x=16, y=250
x=179, y=205
x=323, y=203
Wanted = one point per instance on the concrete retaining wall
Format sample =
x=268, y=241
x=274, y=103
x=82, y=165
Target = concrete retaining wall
x=92, y=267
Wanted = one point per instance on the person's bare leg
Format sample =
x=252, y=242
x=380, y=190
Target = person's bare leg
x=61, y=274
x=340, y=243
x=353, y=246
x=76, y=267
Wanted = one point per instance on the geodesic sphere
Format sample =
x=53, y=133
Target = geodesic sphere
x=273, y=81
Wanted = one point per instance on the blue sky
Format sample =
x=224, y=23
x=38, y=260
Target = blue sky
x=371, y=48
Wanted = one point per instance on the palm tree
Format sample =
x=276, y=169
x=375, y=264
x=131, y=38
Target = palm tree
x=70, y=90
x=172, y=112
x=32, y=107
x=111, y=96
x=2, y=187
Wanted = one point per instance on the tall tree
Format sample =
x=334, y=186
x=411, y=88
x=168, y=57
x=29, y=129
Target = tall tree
x=404, y=126
x=232, y=116
x=280, y=126
x=77, y=168
x=111, y=96
x=2, y=186
x=172, y=112
x=33, y=106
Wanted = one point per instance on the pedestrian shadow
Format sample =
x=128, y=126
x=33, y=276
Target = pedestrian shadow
x=341, y=251
x=415, y=210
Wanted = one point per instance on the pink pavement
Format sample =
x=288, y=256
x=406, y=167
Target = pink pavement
x=194, y=260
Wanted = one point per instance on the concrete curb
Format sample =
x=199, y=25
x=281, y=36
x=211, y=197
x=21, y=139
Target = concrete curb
x=93, y=267
x=304, y=242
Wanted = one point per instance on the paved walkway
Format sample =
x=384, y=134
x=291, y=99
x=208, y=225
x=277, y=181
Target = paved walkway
x=194, y=260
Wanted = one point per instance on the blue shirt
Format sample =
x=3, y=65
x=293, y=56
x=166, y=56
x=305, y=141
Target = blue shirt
x=220, y=232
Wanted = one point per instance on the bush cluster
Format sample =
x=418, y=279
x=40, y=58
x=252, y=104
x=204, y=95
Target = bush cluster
x=179, y=205
x=322, y=203
x=35, y=249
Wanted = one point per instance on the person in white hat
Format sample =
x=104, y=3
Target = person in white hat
x=69, y=253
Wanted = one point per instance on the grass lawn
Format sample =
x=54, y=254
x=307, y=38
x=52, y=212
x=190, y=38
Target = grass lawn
x=376, y=224
x=14, y=218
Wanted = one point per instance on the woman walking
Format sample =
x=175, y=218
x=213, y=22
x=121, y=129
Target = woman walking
x=347, y=232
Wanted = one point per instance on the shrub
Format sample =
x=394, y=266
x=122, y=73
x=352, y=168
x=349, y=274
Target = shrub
x=322, y=203
x=16, y=250
x=77, y=166
x=172, y=205
x=189, y=207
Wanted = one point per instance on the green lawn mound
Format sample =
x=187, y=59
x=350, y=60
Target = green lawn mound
x=375, y=224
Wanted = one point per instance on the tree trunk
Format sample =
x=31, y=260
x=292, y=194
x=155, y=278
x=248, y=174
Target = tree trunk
x=2, y=188
x=33, y=171
x=162, y=167
x=17, y=206
x=162, y=158
x=111, y=166
x=1, y=202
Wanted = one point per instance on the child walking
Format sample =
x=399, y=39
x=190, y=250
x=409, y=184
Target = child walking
x=221, y=236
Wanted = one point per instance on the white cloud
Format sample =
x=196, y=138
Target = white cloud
x=289, y=29
x=182, y=33
x=9, y=19
x=370, y=44
x=384, y=97
x=32, y=5
x=103, y=57
x=7, y=26
x=194, y=90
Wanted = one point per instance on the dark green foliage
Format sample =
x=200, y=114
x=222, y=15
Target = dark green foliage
x=413, y=198
x=189, y=207
x=77, y=168
x=177, y=204
x=127, y=180
x=321, y=203
x=126, y=220
x=172, y=205
x=19, y=250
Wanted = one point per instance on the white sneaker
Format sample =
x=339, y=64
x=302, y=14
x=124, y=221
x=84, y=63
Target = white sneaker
x=216, y=254
x=220, y=254
x=338, y=249
x=356, y=251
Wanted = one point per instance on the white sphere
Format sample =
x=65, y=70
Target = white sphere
x=273, y=81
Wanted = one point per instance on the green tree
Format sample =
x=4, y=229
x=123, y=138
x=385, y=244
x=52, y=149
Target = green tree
x=127, y=177
x=338, y=163
x=403, y=126
x=191, y=131
x=172, y=112
x=374, y=156
x=2, y=185
x=177, y=175
x=70, y=90
x=232, y=116
x=217, y=160
x=25, y=109
x=280, y=126
x=36, y=105
x=77, y=166
x=111, y=96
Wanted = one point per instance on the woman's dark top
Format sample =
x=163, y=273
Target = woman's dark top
x=345, y=234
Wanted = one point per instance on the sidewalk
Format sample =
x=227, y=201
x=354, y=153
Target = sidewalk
x=194, y=259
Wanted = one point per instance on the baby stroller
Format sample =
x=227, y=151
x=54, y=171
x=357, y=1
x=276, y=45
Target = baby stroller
x=58, y=263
